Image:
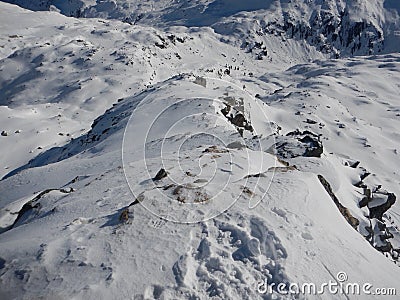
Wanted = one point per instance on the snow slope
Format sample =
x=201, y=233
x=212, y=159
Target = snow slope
x=266, y=161
x=62, y=80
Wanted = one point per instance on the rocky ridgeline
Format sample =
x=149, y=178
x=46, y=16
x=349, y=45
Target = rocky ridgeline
x=332, y=34
x=379, y=230
x=333, y=27
x=377, y=226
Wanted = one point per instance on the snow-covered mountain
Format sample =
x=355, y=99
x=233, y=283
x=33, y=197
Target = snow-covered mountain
x=337, y=27
x=198, y=149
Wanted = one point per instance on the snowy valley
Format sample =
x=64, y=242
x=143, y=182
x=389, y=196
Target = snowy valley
x=199, y=149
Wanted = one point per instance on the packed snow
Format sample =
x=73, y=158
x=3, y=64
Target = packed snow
x=198, y=150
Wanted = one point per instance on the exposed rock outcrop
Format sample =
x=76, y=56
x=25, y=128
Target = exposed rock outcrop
x=379, y=229
x=354, y=222
x=160, y=175
x=34, y=205
x=235, y=113
x=297, y=143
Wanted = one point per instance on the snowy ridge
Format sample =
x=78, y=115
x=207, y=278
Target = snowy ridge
x=75, y=78
x=224, y=257
x=169, y=163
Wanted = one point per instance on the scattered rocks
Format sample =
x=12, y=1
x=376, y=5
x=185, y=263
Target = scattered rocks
x=378, y=229
x=309, y=121
x=234, y=112
x=247, y=191
x=354, y=165
x=379, y=237
x=124, y=216
x=215, y=149
x=189, y=193
x=240, y=121
x=255, y=175
x=297, y=143
x=378, y=211
x=160, y=175
x=314, y=146
x=127, y=215
x=282, y=169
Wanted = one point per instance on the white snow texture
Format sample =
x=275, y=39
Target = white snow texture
x=198, y=149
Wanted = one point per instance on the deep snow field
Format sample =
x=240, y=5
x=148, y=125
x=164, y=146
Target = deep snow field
x=150, y=156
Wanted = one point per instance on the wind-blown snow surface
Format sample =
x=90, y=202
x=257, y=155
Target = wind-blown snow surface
x=81, y=216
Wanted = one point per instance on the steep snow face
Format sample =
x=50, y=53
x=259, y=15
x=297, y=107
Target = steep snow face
x=337, y=27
